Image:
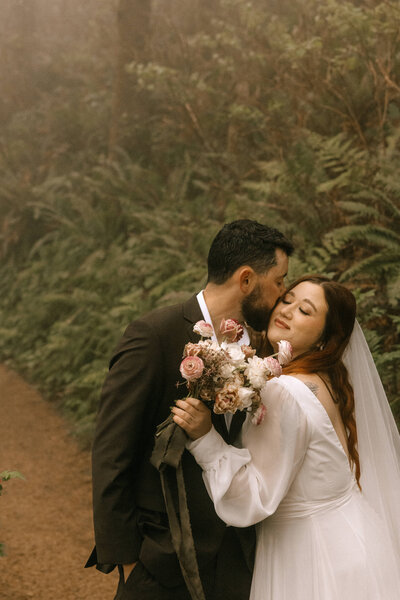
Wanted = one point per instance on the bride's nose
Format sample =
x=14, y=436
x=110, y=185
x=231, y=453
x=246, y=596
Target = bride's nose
x=286, y=311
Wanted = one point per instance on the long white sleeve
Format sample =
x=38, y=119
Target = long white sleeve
x=247, y=484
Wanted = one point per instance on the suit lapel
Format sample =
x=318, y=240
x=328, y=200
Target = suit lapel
x=192, y=313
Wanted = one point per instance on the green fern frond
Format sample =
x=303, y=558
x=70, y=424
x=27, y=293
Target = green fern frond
x=341, y=181
x=369, y=234
x=377, y=263
x=389, y=204
x=358, y=209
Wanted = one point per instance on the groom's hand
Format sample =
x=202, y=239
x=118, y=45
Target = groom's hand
x=193, y=416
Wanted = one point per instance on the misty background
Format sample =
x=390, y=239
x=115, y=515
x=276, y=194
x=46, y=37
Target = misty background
x=131, y=130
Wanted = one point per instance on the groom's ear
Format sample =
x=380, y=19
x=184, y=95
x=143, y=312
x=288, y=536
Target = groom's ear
x=246, y=279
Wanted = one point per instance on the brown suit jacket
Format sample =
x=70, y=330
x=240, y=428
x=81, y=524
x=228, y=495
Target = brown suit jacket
x=129, y=513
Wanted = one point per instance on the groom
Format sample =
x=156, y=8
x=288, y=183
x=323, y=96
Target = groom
x=247, y=264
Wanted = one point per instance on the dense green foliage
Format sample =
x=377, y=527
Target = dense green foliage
x=287, y=112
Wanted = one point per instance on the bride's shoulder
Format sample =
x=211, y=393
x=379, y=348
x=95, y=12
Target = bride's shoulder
x=285, y=398
x=294, y=388
x=293, y=380
x=311, y=380
x=288, y=387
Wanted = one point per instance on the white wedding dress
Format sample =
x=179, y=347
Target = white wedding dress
x=318, y=538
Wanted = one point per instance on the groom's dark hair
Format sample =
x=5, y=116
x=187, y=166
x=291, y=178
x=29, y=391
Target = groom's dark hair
x=244, y=242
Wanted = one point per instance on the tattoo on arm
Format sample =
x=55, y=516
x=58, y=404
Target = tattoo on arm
x=313, y=387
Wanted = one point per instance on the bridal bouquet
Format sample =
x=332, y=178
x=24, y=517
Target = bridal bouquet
x=229, y=377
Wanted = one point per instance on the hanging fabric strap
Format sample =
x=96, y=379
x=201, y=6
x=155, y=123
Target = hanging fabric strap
x=167, y=458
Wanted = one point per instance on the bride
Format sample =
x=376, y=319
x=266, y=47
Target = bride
x=320, y=475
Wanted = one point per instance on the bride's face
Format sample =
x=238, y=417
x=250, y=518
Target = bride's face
x=299, y=318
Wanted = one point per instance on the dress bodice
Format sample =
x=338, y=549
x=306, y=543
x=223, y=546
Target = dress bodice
x=325, y=477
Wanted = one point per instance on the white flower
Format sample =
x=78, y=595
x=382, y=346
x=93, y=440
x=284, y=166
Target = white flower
x=226, y=371
x=236, y=355
x=204, y=329
x=285, y=352
x=214, y=346
x=245, y=396
x=257, y=372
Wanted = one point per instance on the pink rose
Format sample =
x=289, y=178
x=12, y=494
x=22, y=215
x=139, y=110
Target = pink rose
x=191, y=368
x=231, y=330
x=259, y=415
x=285, y=352
x=248, y=351
x=204, y=329
x=192, y=349
x=227, y=400
x=273, y=366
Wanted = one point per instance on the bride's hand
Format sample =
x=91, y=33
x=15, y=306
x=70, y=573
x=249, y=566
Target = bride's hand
x=193, y=416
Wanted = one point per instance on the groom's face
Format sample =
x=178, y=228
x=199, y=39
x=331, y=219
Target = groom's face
x=257, y=306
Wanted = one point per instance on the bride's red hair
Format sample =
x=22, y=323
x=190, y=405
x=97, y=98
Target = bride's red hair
x=326, y=356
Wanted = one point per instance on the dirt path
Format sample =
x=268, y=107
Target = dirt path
x=45, y=521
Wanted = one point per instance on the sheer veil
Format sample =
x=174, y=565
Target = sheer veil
x=378, y=436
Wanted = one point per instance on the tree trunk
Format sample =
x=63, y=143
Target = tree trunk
x=129, y=106
x=18, y=50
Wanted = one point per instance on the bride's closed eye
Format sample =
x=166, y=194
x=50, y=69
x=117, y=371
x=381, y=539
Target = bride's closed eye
x=286, y=301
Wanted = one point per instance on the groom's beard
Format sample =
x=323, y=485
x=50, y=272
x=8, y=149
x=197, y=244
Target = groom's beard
x=254, y=312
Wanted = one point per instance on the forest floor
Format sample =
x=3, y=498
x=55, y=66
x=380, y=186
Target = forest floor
x=46, y=520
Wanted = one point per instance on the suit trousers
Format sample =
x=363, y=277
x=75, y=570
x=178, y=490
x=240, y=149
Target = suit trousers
x=222, y=579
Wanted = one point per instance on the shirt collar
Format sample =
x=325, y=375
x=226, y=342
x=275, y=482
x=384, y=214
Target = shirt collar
x=245, y=339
